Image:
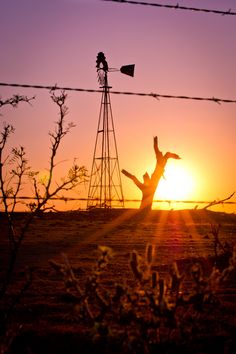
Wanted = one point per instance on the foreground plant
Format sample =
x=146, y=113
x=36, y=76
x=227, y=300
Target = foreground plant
x=15, y=171
x=153, y=314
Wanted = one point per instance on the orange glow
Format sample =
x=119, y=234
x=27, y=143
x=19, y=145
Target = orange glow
x=177, y=184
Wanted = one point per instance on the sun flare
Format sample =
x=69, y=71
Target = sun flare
x=176, y=184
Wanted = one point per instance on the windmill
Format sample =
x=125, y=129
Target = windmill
x=105, y=187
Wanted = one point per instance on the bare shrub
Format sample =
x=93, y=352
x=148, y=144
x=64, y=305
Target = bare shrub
x=15, y=171
x=153, y=314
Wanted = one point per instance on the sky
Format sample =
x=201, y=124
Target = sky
x=175, y=52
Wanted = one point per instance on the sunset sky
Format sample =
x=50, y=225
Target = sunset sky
x=175, y=52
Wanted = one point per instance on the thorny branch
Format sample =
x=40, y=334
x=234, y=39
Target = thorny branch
x=76, y=174
x=15, y=100
x=221, y=201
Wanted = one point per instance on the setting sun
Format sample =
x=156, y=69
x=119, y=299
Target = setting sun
x=176, y=184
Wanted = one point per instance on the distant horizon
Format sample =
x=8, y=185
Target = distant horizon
x=63, y=204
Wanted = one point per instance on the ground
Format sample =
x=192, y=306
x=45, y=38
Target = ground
x=44, y=318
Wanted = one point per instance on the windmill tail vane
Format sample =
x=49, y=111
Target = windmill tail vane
x=128, y=69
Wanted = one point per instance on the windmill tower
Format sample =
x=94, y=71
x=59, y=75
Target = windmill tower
x=105, y=187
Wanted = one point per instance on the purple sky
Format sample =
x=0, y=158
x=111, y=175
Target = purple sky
x=175, y=52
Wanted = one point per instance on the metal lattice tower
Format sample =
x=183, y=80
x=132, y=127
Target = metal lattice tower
x=105, y=187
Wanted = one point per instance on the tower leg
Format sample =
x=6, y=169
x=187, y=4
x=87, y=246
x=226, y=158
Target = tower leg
x=105, y=187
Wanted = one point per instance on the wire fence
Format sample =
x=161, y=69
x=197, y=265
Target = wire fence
x=66, y=199
x=154, y=95
x=177, y=7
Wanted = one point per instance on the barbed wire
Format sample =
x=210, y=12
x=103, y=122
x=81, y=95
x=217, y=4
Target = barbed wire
x=176, y=7
x=66, y=199
x=154, y=95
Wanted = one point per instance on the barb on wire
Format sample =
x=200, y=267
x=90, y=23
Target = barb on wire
x=176, y=7
x=154, y=95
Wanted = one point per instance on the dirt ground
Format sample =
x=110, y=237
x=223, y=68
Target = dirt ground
x=44, y=313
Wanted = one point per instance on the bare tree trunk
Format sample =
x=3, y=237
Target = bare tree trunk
x=149, y=184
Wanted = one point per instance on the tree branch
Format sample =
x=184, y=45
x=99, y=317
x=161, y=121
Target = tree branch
x=15, y=100
x=221, y=201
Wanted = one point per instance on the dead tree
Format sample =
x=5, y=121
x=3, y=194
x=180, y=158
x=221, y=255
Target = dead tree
x=149, y=184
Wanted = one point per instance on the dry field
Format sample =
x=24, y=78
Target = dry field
x=45, y=318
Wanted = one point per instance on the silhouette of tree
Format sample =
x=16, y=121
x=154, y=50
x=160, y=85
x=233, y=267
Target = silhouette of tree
x=12, y=181
x=149, y=184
